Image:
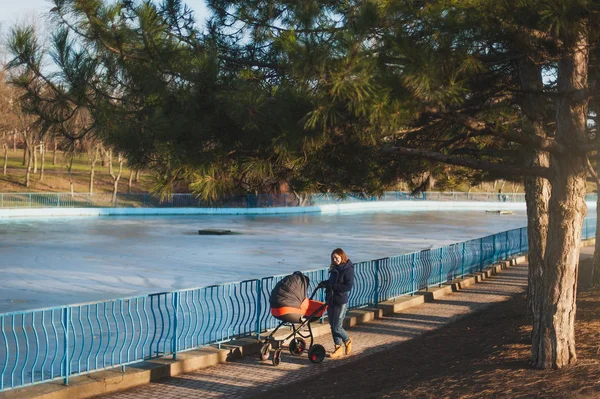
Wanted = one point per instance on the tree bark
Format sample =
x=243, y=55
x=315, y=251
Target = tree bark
x=117, y=177
x=537, y=190
x=110, y=158
x=28, y=168
x=70, y=157
x=54, y=152
x=93, y=160
x=35, y=157
x=130, y=181
x=43, y=156
x=537, y=196
x=137, y=175
x=5, y=159
x=553, y=344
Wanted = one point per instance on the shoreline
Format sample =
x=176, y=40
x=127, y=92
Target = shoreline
x=376, y=206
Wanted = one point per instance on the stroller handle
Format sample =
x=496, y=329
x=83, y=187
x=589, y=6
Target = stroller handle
x=315, y=291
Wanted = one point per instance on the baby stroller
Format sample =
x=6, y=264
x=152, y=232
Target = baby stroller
x=290, y=305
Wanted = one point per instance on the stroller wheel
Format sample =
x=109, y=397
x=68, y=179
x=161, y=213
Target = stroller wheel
x=264, y=351
x=297, y=346
x=316, y=353
x=277, y=357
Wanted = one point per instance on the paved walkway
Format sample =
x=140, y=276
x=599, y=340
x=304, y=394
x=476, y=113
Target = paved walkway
x=249, y=376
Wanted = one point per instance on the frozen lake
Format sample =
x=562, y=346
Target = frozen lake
x=58, y=261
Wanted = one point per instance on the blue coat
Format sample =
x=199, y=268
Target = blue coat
x=341, y=281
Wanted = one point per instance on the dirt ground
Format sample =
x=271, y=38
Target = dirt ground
x=485, y=355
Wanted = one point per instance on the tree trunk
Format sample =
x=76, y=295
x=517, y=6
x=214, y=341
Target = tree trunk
x=69, y=168
x=15, y=141
x=35, y=157
x=537, y=190
x=130, y=181
x=110, y=159
x=137, y=175
x=537, y=196
x=43, y=155
x=25, y=153
x=5, y=158
x=553, y=343
x=54, y=152
x=117, y=177
x=93, y=160
x=28, y=169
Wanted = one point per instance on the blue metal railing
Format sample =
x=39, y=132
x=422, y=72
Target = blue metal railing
x=123, y=200
x=56, y=343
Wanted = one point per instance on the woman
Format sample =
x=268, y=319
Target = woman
x=341, y=280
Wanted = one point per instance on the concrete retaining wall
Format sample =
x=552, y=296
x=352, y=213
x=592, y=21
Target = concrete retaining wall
x=400, y=206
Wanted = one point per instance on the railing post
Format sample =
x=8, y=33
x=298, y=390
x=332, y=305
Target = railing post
x=65, y=367
x=30, y=200
x=521, y=240
x=2, y=200
x=494, y=248
x=412, y=274
x=58, y=200
x=375, y=266
x=284, y=201
x=258, y=306
x=480, y=254
x=175, y=309
x=441, y=263
x=464, y=251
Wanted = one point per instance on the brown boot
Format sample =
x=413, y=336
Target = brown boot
x=348, y=346
x=338, y=352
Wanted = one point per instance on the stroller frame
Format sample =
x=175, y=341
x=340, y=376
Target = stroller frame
x=316, y=352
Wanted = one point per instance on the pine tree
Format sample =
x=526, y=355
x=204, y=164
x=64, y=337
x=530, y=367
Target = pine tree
x=499, y=86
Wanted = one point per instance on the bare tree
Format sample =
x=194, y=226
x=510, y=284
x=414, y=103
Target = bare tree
x=55, y=140
x=43, y=156
x=7, y=117
x=70, y=155
x=93, y=155
x=5, y=148
x=130, y=180
x=116, y=177
x=34, y=152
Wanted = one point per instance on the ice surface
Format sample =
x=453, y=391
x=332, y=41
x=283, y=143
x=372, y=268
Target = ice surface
x=59, y=261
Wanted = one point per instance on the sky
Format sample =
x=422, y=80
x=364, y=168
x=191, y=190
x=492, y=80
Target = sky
x=15, y=11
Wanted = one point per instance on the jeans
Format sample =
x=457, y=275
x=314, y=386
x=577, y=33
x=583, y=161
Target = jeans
x=336, y=314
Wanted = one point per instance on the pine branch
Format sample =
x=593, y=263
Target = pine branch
x=532, y=141
x=502, y=169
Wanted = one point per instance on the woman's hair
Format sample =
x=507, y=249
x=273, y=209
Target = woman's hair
x=342, y=254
